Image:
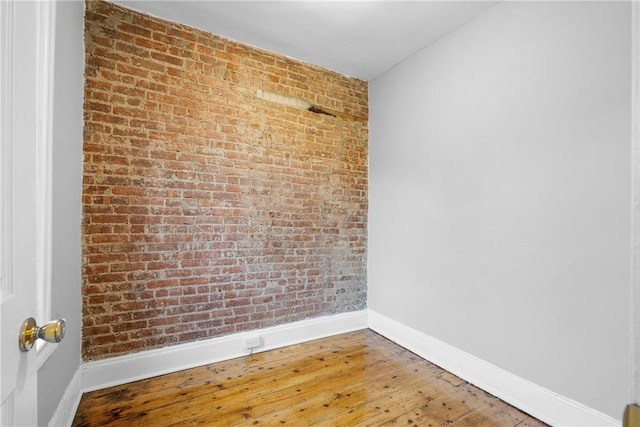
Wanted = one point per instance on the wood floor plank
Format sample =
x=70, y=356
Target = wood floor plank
x=455, y=404
x=355, y=379
x=495, y=413
x=224, y=370
x=233, y=397
x=325, y=395
x=531, y=422
x=225, y=382
x=333, y=368
x=384, y=408
x=195, y=385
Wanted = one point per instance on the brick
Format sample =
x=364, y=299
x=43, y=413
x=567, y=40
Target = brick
x=208, y=211
x=150, y=44
x=133, y=29
x=174, y=60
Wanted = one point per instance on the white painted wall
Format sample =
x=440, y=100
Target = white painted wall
x=500, y=194
x=56, y=374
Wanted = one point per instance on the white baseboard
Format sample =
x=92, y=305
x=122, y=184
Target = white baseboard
x=537, y=401
x=146, y=364
x=68, y=405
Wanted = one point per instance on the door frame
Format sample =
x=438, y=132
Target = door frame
x=635, y=202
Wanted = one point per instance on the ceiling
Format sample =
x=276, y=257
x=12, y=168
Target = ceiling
x=360, y=39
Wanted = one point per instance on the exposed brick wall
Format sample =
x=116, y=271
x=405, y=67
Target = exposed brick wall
x=208, y=210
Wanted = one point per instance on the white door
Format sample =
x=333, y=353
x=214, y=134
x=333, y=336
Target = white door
x=18, y=128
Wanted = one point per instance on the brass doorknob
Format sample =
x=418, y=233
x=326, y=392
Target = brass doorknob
x=50, y=332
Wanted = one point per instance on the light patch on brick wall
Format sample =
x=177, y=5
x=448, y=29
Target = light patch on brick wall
x=303, y=104
x=288, y=101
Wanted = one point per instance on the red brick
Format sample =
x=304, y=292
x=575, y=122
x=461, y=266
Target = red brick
x=206, y=210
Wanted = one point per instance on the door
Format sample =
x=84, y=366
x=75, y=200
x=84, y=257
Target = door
x=18, y=210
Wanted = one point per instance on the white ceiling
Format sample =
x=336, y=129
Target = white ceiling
x=360, y=39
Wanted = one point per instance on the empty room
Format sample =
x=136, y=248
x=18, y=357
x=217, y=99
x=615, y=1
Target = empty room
x=320, y=213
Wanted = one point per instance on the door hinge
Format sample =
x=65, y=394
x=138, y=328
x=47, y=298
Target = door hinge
x=631, y=416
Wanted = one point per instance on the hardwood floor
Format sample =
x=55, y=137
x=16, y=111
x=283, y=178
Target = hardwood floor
x=354, y=379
